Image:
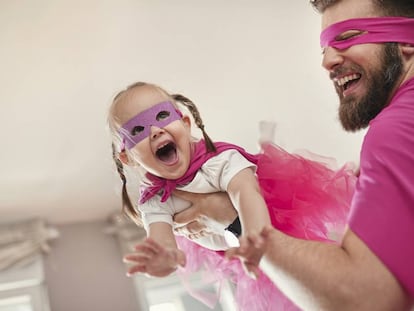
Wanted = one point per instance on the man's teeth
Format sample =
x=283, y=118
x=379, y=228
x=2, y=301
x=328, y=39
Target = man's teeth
x=343, y=80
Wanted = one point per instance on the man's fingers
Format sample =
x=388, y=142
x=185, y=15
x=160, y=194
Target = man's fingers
x=185, y=195
x=191, y=228
x=186, y=216
x=197, y=235
x=195, y=227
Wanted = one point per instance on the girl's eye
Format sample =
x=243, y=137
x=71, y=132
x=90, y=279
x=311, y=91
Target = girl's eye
x=162, y=115
x=136, y=130
x=348, y=35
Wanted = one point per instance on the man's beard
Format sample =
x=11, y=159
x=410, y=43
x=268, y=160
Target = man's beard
x=356, y=114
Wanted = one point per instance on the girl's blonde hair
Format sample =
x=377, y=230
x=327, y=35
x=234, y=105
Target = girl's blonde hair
x=114, y=126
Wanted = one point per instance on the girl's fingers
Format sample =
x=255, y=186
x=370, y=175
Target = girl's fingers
x=136, y=269
x=266, y=231
x=231, y=253
x=137, y=258
x=154, y=245
x=256, y=241
x=149, y=245
x=243, y=244
x=251, y=270
x=180, y=258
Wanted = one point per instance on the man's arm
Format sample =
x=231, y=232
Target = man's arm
x=316, y=276
x=325, y=276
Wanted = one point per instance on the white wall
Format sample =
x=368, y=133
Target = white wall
x=63, y=61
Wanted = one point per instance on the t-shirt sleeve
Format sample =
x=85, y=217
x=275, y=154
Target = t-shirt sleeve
x=382, y=212
x=155, y=211
x=220, y=169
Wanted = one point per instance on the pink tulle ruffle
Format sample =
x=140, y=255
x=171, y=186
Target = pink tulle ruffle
x=305, y=198
x=249, y=294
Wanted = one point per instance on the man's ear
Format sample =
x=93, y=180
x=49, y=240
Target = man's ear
x=407, y=50
x=123, y=157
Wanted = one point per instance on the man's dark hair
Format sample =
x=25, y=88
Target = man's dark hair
x=387, y=7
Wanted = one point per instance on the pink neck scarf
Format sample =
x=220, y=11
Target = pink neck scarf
x=200, y=156
x=376, y=30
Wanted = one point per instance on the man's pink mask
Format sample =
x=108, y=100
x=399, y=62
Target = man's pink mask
x=375, y=30
x=139, y=127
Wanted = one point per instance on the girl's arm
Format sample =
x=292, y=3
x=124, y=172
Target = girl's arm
x=157, y=255
x=246, y=197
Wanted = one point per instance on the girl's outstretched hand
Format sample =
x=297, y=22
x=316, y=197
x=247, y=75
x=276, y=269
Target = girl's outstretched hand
x=251, y=250
x=153, y=259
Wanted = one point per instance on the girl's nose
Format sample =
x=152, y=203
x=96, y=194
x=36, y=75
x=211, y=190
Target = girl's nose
x=331, y=58
x=155, y=131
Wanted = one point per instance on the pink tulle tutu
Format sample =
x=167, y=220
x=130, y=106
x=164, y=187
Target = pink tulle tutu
x=306, y=199
x=216, y=271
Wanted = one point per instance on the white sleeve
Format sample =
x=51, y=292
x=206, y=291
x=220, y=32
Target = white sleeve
x=155, y=211
x=221, y=169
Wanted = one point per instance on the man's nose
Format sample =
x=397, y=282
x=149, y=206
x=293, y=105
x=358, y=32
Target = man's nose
x=332, y=58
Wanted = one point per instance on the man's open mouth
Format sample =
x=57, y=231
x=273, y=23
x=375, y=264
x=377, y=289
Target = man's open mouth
x=347, y=81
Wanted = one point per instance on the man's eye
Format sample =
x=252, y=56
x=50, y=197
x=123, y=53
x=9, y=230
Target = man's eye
x=136, y=130
x=162, y=115
x=348, y=35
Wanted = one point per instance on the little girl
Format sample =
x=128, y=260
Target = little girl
x=151, y=133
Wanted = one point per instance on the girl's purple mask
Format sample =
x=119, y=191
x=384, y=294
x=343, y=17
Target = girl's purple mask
x=375, y=30
x=139, y=127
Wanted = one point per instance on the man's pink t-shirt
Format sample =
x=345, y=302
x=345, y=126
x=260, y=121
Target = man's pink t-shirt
x=382, y=211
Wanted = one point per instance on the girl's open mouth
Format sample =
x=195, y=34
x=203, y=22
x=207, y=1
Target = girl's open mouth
x=167, y=153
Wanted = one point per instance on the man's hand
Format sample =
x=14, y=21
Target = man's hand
x=208, y=214
x=153, y=259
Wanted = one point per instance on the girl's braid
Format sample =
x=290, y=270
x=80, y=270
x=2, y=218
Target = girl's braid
x=197, y=119
x=127, y=206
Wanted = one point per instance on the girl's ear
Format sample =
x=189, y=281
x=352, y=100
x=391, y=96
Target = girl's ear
x=187, y=121
x=123, y=157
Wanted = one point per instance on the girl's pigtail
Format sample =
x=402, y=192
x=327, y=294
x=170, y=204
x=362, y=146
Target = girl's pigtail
x=127, y=206
x=197, y=119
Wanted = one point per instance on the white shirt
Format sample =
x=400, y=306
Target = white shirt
x=215, y=175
